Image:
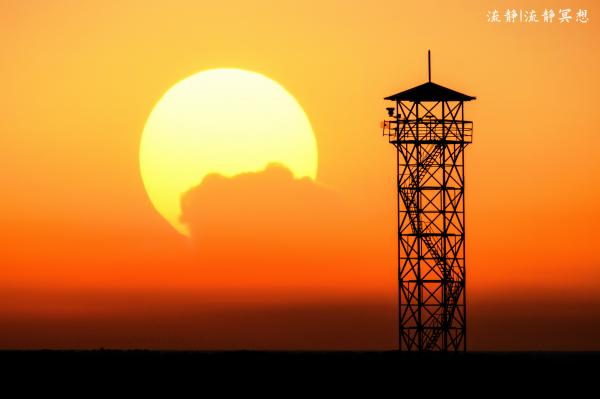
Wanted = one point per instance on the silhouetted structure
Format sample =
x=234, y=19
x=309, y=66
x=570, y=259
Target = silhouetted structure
x=428, y=129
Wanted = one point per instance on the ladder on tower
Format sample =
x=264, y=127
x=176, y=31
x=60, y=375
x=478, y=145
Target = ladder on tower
x=454, y=289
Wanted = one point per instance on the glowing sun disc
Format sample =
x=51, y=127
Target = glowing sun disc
x=226, y=121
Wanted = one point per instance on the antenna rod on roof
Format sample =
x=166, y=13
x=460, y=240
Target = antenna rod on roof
x=429, y=64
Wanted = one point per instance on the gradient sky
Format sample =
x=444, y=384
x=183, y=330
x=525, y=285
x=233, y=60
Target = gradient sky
x=87, y=261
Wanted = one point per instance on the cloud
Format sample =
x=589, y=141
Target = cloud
x=287, y=261
x=271, y=228
x=248, y=203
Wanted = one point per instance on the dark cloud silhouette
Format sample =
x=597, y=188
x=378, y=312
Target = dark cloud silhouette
x=284, y=260
x=267, y=201
x=269, y=227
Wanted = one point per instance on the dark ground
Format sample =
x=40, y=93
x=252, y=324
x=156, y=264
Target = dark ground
x=229, y=371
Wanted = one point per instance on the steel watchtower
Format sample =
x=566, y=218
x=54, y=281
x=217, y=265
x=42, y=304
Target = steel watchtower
x=428, y=129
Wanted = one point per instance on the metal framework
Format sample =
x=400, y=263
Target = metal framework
x=430, y=137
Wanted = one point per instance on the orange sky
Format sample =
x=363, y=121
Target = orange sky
x=87, y=262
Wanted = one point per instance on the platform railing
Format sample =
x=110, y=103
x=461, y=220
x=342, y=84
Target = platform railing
x=428, y=130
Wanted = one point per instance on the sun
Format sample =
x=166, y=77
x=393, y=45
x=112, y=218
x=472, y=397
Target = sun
x=226, y=121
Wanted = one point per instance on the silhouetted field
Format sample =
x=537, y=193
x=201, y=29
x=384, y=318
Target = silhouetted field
x=542, y=370
x=250, y=374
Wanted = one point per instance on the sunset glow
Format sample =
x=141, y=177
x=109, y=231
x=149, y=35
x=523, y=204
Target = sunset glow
x=212, y=175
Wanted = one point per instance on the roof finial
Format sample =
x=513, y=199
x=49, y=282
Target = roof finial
x=429, y=64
